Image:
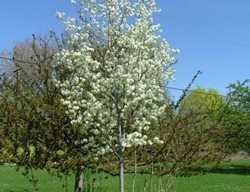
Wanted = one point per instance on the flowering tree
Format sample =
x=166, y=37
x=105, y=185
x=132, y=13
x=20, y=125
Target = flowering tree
x=117, y=65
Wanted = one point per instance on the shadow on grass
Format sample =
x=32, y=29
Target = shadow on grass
x=232, y=169
x=229, y=169
x=18, y=190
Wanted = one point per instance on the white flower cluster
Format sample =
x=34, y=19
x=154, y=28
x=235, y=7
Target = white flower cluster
x=60, y=15
x=135, y=139
x=118, y=66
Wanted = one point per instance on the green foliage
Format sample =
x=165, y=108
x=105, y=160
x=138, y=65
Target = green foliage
x=239, y=96
x=190, y=131
x=34, y=126
x=201, y=101
x=236, y=121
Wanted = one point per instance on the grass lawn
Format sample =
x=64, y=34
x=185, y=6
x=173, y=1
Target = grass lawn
x=229, y=177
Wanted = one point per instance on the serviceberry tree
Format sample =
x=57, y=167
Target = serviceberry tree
x=118, y=64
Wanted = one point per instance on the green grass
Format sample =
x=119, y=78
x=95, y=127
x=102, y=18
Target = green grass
x=13, y=181
x=228, y=177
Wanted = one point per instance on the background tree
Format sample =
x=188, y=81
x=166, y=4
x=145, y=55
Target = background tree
x=27, y=112
x=190, y=132
x=236, y=122
x=200, y=100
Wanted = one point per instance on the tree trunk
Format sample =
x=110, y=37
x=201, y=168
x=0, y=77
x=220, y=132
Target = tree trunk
x=121, y=156
x=121, y=173
x=120, y=138
x=79, y=179
x=135, y=170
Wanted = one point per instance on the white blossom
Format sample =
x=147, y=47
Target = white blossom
x=60, y=15
x=157, y=140
x=117, y=67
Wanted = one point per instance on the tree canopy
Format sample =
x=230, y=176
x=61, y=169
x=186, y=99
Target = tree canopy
x=118, y=66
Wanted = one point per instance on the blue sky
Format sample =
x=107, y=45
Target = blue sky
x=213, y=36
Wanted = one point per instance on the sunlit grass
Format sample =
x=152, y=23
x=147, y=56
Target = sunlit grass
x=228, y=177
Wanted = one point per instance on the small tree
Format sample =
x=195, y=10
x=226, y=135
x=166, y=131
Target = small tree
x=118, y=66
x=202, y=110
x=31, y=116
x=190, y=132
x=34, y=128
